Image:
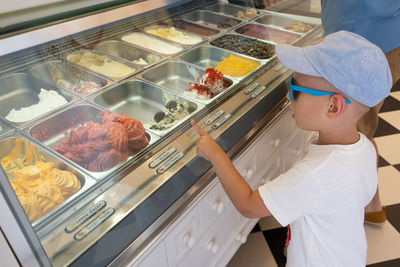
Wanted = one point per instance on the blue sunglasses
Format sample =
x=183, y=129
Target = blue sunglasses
x=310, y=91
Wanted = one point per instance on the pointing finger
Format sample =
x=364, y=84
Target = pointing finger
x=199, y=130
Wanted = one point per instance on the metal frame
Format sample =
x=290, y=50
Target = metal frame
x=29, y=39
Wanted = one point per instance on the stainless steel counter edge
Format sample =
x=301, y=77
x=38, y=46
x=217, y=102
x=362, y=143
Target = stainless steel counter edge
x=42, y=35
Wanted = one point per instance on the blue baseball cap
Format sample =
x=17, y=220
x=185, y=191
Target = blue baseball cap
x=352, y=64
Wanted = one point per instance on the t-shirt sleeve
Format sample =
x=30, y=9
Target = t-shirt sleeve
x=291, y=195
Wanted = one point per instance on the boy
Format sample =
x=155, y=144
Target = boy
x=378, y=22
x=323, y=196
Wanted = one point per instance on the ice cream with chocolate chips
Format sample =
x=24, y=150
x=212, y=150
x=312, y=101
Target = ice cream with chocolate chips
x=175, y=111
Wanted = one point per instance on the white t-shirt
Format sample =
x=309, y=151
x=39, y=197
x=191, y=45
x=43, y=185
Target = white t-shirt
x=323, y=198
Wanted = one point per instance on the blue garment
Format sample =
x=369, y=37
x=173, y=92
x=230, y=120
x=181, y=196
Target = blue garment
x=376, y=20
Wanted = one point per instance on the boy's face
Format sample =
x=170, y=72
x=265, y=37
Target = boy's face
x=308, y=110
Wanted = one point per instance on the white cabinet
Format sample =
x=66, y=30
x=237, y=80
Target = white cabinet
x=247, y=166
x=275, y=136
x=292, y=150
x=214, y=241
x=183, y=237
x=211, y=206
x=211, y=230
x=155, y=256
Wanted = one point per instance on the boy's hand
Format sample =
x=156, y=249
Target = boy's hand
x=206, y=146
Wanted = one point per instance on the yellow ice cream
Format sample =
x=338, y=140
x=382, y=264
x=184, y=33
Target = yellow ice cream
x=39, y=185
x=18, y=158
x=173, y=34
x=101, y=64
x=235, y=66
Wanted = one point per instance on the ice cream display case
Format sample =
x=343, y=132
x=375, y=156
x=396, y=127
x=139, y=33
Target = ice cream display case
x=97, y=150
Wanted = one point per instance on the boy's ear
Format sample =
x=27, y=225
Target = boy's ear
x=336, y=107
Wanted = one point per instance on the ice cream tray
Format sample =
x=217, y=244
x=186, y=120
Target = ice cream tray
x=52, y=130
x=281, y=21
x=144, y=101
x=229, y=10
x=235, y=46
x=154, y=26
x=187, y=26
x=176, y=76
x=211, y=19
x=6, y=147
x=130, y=70
x=175, y=48
x=128, y=52
x=20, y=90
x=210, y=56
x=4, y=128
x=65, y=75
x=268, y=34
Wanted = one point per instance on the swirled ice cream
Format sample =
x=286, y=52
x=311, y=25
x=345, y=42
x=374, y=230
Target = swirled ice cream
x=39, y=185
x=100, y=146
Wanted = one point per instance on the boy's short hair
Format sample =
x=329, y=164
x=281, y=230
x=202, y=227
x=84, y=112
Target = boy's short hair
x=346, y=60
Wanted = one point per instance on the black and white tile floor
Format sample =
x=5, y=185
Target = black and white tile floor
x=265, y=244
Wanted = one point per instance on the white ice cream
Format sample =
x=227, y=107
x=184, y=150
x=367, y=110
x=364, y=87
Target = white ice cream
x=143, y=40
x=48, y=100
x=173, y=34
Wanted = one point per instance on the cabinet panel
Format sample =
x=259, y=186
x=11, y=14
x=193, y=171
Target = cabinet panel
x=156, y=256
x=276, y=135
x=293, y=150
x=212, y=206
x=184, y=236
x=246, y=165
x=271, y=168
x=214, y=241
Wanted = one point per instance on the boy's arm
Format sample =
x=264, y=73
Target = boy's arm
x=247, y=202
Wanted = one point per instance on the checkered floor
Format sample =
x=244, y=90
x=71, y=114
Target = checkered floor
x=265, y=244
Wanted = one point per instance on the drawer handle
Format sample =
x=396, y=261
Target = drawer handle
x=241, y=238
x=212, y=246
x=189, y=240
x=276, y=142
x=218, y=206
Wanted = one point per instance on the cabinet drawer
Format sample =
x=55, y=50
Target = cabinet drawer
x=183, y=237
x=293, y=151
x=211, y=206
x=271, y=168
x=275, y=135
x=156, y=256
x=247, y=165
x=217, y=238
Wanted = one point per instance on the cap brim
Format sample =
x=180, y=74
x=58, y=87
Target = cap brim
x=295, y=59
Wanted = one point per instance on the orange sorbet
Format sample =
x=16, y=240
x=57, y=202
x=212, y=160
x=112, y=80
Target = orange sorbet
x=235, y=66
